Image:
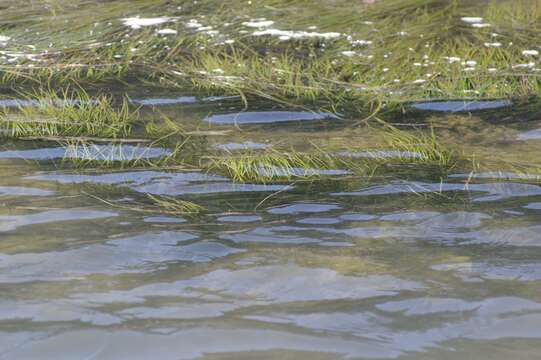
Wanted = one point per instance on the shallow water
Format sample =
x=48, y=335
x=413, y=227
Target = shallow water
x=407, y=268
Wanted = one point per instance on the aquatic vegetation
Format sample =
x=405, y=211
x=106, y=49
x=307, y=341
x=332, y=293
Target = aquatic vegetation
x=347, y=58
x=273, y=165
x=174, y=206
x=158, y=204
x=426, y=146
x=164, y=129
x=68, y=115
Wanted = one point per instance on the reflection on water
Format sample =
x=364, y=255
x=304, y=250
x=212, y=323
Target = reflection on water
x=493, y=191
x=266, y=117
x=408, y=269
x=87, y=152
x=162, y=183
x=461, y=106
x=530, y=135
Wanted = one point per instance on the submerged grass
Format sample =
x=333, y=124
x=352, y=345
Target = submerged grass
x=274, y=165
x=159, y=204
x=408, y=149
x=420, y=148
x=75, y=114
x=174, y=206
x=336, y=55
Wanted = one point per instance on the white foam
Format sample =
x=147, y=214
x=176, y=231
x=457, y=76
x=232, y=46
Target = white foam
x=166, y=31
x=530, y=52
x=258, y=24
x=472, y=20
x=349, y=53
x=452, y=59
x=137, y=22
x=361, y=42
x=483, y=25
x=193, y=24
x=286, y=34
x=529, y=65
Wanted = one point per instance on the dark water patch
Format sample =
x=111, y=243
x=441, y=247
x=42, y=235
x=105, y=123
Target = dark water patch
x=461, y=106
x=267, y=117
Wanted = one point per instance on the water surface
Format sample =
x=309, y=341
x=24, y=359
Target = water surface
x=411, y=267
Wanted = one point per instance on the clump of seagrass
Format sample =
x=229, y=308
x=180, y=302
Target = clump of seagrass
x=273, y=165
x=49, y=116
x=420, y=147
